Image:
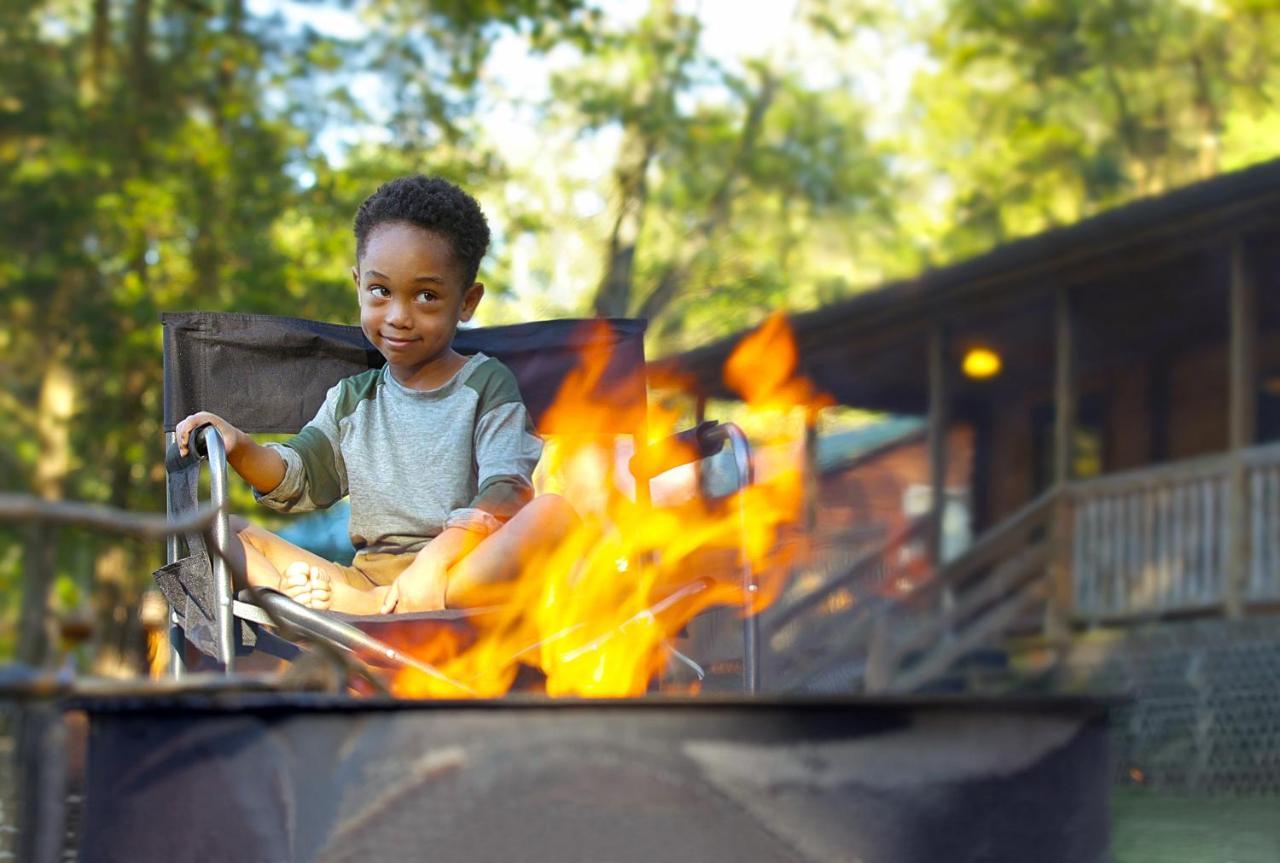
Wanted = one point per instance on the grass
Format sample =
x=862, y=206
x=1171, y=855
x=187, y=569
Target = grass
x=1149, y=827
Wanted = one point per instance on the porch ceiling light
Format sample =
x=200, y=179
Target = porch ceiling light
x=981, y=363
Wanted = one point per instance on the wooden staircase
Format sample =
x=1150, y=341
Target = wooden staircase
x=889, y=624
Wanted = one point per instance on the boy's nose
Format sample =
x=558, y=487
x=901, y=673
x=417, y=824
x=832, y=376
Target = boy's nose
x=398, y=315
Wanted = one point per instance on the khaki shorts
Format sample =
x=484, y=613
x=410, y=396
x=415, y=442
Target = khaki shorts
x=375, y=570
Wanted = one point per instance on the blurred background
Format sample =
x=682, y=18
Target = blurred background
x=700, y=164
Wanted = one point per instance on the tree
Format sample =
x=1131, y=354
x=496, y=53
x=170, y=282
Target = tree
x=696, y=142
x=1039, y=113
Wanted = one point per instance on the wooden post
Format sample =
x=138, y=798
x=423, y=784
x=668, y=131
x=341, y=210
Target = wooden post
x=35, y=643
x=1061, y=601
x=1064, y=395
x=1241, y=422
x=939, y=398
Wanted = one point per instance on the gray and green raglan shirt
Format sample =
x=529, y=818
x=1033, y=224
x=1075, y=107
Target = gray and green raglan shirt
x=414, y=461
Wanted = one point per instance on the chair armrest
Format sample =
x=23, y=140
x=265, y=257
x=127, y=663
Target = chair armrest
x=686, y=447
x=175, y=461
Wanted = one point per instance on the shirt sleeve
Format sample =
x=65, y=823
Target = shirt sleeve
x=506, y=451
x=315, y=476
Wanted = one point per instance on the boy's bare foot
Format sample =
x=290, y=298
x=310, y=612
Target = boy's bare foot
x=307, y=585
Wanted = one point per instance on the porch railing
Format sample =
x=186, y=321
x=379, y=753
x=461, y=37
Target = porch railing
x=1142, y=543
x=1157, y=540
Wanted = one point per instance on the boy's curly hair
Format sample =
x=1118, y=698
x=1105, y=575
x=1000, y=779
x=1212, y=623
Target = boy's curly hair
x=434, y=205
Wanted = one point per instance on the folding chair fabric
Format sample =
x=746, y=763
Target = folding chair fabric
x=269, y=374
x=187, y=583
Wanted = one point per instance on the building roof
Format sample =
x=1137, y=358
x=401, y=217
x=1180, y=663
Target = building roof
x=868, y=350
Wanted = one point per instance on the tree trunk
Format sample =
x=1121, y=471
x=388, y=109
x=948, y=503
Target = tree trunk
x=140, y=48
x=98, y=46
x=613, y=297
x=54, y=408
x=654, y=95
x=35, y=637
x=117, y=631
x=721, y=207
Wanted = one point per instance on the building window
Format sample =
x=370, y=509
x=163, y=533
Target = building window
x=1088, y=451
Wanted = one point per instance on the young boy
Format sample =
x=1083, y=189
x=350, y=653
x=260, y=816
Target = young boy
x=435, y=449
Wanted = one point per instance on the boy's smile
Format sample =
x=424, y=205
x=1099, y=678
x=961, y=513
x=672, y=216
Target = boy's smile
x=412, y=297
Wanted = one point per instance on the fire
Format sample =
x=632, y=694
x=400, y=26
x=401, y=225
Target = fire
x=596, y=614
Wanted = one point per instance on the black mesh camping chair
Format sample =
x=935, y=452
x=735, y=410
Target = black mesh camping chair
x=268, y=374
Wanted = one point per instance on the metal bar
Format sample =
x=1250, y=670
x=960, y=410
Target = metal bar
x=350, y=637
x=812, y=472
x=223, y=593
x=750, y=621
x=640, y=446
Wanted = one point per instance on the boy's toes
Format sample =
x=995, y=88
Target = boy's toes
x=320, y=599
x=296, y=581
x=306, y=584
x=321, y=589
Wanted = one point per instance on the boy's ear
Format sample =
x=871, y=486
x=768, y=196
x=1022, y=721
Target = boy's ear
x=470, y=300
x=355, y=277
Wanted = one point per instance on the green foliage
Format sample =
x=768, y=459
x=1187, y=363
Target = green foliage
x=1039, y=113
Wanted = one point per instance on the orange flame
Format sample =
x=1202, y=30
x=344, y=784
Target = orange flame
x=762, y=369
x=595, y=614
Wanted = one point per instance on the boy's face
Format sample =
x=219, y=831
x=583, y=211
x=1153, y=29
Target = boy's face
x=411, y=294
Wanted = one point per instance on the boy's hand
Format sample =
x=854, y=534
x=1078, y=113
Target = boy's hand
x=231, y=436
x=260, y=466
x=421, y=587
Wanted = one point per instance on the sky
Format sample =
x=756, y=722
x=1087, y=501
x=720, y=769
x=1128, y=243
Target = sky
x=731, y=33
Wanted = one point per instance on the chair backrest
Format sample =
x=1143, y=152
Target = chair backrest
x=265, y=373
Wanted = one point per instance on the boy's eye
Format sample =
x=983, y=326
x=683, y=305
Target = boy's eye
x=379, y=291
x=426, y=296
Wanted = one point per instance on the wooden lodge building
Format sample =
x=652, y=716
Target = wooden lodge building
x=1124, y=462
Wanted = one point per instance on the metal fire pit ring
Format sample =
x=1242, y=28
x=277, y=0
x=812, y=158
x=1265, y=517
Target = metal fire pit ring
x=288, y=776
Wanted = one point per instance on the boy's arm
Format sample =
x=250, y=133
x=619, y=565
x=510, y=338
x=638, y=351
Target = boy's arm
x=506, y=452
x=260, y=466
x=424, y=584
x=315, y=473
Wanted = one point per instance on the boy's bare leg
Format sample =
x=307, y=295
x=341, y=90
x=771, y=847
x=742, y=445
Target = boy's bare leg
x=305, y=577
x=542, y=523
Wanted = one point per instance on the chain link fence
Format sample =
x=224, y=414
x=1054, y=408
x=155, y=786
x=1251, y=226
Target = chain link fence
x=1204, y=714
